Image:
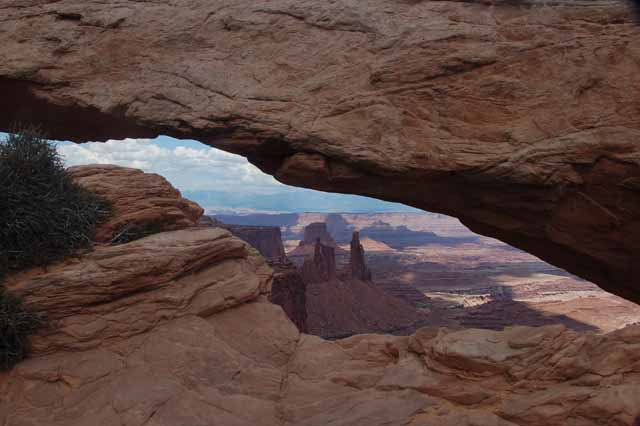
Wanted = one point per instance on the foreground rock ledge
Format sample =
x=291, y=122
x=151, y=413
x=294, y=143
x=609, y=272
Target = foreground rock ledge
x=520, y=118
x=248, y=366
x=142, y=203
x=175, y=329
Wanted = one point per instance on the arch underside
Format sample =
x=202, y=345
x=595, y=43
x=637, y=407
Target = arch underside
x=522, y=120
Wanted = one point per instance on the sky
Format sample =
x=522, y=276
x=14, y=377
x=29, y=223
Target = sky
x=188, y=165
x=215, y=179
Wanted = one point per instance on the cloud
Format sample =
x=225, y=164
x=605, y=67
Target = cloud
x=186, y=167
x=214, y=178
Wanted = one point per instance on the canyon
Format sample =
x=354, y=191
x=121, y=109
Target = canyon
x=175, y=327
x=341, y=303
x=520, y=119
x=321, y=298
x=451, y=275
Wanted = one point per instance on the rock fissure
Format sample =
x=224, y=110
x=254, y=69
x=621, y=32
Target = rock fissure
x=247, y=364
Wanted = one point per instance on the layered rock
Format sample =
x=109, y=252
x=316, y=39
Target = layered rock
x=120, y=291
x=315, y=233
x=321, y=267
x=343, y=305
x=357, y=267
x=143, y=203
x=522, y=124
x=248, y=365
x=288, y=289
x=266, y=239
x=174, y=328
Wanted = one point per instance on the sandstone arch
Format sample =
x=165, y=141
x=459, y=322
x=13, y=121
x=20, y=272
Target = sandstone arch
x=520, y=118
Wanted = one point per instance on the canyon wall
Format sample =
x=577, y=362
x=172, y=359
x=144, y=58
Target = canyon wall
x=321, y=266
x=315, y=233
x=347, y=303
x=519, y=118
x=357, y=267
x=288, y=289
x=174, y=329
x=266, y=239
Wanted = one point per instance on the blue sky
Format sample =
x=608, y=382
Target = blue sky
x=215, y=178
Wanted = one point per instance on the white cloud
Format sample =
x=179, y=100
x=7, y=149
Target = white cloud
x=185, y=167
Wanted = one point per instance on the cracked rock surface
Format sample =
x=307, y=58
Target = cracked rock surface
x=520, y=118
x=142, y=203
x=176, y=329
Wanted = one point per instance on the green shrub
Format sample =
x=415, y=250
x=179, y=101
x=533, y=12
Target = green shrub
x=44, y=215
x=16, y=324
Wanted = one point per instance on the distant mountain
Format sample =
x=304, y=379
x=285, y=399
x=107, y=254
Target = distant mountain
x=396, y=230
x=296, y=201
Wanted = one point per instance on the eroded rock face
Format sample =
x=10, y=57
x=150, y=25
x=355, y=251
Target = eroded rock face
x=340, y=305
x=115, y=292
x=249, y=365
x=518, y=118
x=266, y=239
x=175, y=329
x=321, y=266
x=289, y=291
x=143, y=203
x=357, y=267
x=315, y=233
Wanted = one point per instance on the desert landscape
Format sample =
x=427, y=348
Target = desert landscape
x=480, y=268
x=453, y=276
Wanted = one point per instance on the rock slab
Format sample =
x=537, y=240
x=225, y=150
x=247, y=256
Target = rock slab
x=519, y=118
x=143, y=203
x=175, y=329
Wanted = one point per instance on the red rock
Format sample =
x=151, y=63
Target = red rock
x=522, y=124
x=266, y=239
x=313, y=233
x=175, y=329
x=322, y=266
x=288, y=289
x=143, y=203
x=346, y=305
x=357, y=267
x=289, y=292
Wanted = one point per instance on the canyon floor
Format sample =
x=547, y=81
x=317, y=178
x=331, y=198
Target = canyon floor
x=458, y=278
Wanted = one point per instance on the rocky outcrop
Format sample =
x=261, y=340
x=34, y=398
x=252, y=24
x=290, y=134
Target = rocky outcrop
x=523, y=124
x=120, y=291
x=357, y=267
x=175, y=329
x=248, y=365
x=344, y=307
x=315, y=233
x=318, y=232
x=339, y=306
x=322, y=266
x=143, y=203
x=266, y=239
x=289, y=291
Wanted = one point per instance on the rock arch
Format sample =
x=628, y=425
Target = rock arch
x=520, y=118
